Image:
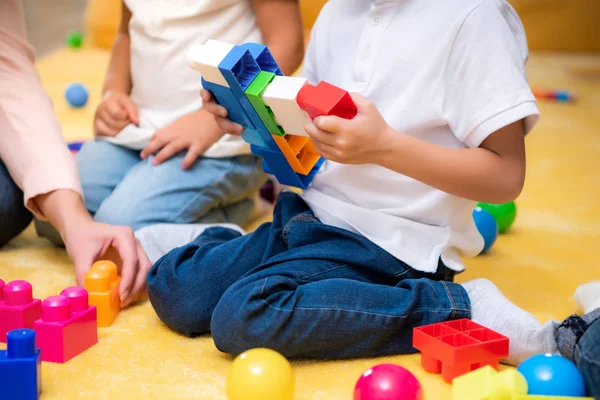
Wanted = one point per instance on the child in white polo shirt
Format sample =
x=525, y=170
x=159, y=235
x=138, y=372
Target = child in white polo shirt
x=370, y=250
x=159, y=156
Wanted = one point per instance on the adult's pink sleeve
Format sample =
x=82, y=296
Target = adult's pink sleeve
x=31, y=143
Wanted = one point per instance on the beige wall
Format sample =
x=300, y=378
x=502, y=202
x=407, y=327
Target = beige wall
x=550, y=24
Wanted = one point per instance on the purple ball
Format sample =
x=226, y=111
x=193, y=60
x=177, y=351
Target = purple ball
x=388, y=382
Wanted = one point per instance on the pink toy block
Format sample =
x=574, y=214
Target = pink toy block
x=68, y=325
x=18, y=309
x=455, y=348
x=1, y=290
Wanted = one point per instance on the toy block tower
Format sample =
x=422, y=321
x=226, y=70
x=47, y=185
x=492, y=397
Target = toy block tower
x=68, y=325
x=102, y=284
x=18, y=309
x=246, y=80
x=20, y=367
x=455, y=348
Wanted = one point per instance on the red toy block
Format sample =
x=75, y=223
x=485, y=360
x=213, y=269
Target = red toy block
x=326, y=99
x=455, y=348
x=18, y=309
x=68, y=325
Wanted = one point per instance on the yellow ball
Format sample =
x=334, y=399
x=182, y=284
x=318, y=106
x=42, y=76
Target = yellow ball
x=260, y=374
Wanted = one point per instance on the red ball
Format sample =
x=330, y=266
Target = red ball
x=388, y=382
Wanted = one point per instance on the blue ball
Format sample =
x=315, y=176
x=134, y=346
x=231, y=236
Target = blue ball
x=77, y=95
x=487, y=227
x=552, y=375
x=563, y=96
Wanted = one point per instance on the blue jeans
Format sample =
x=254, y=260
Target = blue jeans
x=587, y=358
x=14, y=217
x=299, y=287
x=121, y=189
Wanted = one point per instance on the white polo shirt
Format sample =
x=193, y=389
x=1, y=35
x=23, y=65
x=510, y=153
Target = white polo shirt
x=164, y=86
x=446, y=72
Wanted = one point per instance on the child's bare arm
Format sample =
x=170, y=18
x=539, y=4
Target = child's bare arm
x=281, y=26
x=118, y=75
x=493, y=172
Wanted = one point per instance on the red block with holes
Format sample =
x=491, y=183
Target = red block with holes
x=326, y=99
x=455, y=348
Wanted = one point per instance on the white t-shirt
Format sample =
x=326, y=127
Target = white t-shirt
x=446, y=72
x=164, y=86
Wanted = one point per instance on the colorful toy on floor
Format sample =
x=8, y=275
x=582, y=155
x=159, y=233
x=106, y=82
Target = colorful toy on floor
x=552, y=375
x=74, y=147
x=18, y=309
x=487, y=227
x=455, y=348
x=504, y=214
x=388, y=382
x=20, y=367
x=67, y=327
x=247, y=81
x=260, y=374
x=563, y=96
x=74, y=39
x=102, y=284
x=76, y=95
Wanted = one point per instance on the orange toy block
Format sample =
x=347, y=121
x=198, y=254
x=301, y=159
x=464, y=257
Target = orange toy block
x=102, y=284
x=299, y=151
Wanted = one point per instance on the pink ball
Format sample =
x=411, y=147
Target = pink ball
x=388, y=382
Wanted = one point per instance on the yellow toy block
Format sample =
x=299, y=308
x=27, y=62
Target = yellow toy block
x=102, y=284
x=299, y=151
x=550, y=398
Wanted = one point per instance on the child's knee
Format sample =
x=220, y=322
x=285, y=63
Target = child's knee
x=120, y=213
x=179, y=303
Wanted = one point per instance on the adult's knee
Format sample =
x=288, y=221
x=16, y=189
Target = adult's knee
x=184, y=305
x=14, y=217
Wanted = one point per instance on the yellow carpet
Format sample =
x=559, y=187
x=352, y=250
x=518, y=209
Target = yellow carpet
x=550, y=251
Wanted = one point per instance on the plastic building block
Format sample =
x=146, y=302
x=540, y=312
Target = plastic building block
x=20, y=367
x=68, y=325
x=281, y=97
x=252, y=137
x=225, y=97
x=488, y=384
x=299, y=152
x=455, y=348
x=18, y=309
x=254, y=93
x=326, y=99
x=206, y=59
x=102, y=284
x=265, y=60
x=275, y=163
x=1, y=290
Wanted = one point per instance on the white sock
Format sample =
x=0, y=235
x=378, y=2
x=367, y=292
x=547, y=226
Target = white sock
x=527, y=336
x=588, y=296
x=158, y=240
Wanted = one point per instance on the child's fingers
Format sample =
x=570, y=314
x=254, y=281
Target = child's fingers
x=229, y=126
x=331, y=124
x=102, y=129
x=115, y=110
x=215, y=109
x=155, y=145
x=318, y=135
x=205, y=95
x=168, y=151
x=131, y=108
x=112, y=122
x=190, y=158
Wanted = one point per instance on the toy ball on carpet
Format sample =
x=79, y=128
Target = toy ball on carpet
x=552, y=375
x=76, y=95
x=487, y=227
x=74, y=39
x=504, y=214
x=388, y=382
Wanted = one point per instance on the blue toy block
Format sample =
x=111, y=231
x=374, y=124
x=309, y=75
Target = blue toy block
x=254, y=138
x=263, y=57
x=20, y=367
x=275, y=163
x=239, y=69
x=225, y=97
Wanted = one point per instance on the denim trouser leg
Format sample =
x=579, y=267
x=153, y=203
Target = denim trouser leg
x=14, y=217
x=587, y=358
x=300, y=287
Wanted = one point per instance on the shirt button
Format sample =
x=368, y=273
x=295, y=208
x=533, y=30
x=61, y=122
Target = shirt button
x=376, y=20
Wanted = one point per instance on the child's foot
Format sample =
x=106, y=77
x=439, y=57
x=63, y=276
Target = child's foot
x=572, y=329
x=527, y=336
x=158, y=240
x=588, y=296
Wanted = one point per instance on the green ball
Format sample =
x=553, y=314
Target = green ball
x=74, y=39
x=504, y=214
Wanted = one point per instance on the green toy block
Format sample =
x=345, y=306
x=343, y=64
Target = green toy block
x=254, y=93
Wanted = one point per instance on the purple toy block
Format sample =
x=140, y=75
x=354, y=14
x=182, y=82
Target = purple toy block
x=68, y=325
x=19, y=309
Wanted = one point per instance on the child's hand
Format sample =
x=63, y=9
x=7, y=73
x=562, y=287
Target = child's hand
x=114, y=113
x=360, y=140
x=195, y=132
x=220, y=114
